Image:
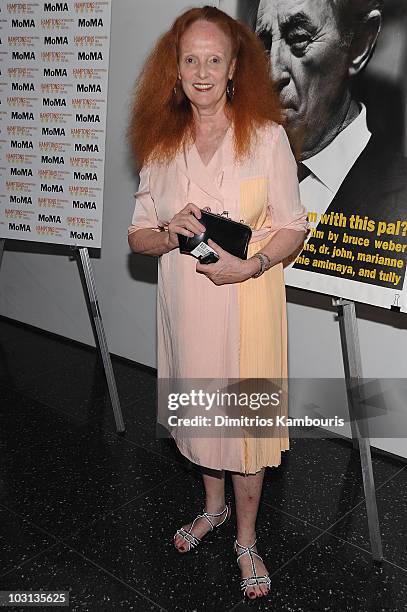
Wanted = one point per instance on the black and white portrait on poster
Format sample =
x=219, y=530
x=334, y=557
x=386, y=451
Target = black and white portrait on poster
x=340, y=67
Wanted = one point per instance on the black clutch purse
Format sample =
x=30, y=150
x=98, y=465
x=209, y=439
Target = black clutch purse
x=232, y=236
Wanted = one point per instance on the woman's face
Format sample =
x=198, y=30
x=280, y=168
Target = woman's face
x=205, y=65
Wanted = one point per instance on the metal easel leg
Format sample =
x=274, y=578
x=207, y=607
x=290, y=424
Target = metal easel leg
x=2, y=243
x=101, y=343
x=353, y=374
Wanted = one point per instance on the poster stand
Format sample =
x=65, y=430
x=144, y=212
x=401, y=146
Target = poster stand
x=353, y=374
x=85, y=268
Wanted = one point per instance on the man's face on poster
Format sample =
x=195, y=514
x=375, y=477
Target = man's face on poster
x=309, y=62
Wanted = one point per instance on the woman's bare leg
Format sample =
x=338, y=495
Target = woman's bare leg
x=214, y=483
x=247, y=495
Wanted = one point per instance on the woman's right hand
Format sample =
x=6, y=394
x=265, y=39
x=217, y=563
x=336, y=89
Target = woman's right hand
x=185, y=222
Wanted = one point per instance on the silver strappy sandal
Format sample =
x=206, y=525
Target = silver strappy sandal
x=190, y=538
x=254, y=579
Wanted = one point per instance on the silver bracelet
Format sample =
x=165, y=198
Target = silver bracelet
x=265, y=263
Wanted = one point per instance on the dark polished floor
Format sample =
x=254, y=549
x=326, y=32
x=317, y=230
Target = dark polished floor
x=87, y=511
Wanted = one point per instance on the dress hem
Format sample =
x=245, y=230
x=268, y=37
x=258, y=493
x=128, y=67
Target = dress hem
x=188, y=456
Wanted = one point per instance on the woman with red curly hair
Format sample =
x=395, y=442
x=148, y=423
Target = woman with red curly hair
x=206, y=132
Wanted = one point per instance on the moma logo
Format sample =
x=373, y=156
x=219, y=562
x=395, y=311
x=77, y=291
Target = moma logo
x=21, y=144
x=56, y=40
x=55, y=7
x=86, y=148
x=52, y=188
x=90, y=88
x=49, y=218
x=20, y=227
x=90, y=55
x=52, y=159
x=53, y=102
x=22, y=87
x=22, y=23
x=21, y=172
x=20, y=199
x=85, y=176
x=55, y=72
x=87, y=205
x=75, y=235
x=90, y=23
x=54, y=131
x=89, y=118
x=25, y=116
x=23, y=55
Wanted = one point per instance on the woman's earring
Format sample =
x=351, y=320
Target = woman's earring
x=175, y=86
x=230, y=89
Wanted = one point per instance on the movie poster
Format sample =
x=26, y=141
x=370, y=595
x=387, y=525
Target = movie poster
x=340, y=69
x=54, y=61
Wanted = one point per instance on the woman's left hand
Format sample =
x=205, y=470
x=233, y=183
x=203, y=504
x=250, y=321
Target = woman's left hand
x=228, y=269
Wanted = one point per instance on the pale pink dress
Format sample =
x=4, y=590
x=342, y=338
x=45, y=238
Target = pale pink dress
x=229, y=331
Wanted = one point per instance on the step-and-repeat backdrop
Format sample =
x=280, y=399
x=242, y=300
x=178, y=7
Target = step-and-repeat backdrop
x=341, y=72
x=54, y=60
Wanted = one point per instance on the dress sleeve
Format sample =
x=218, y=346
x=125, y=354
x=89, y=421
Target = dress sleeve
x=145, y=214
x=285, y=206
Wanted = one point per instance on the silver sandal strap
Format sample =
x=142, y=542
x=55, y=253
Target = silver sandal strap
x=206, y=516
x=189, y=537
x=254, y=579
x=247, y=550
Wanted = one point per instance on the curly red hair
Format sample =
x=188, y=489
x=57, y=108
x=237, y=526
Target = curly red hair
x=161, y=120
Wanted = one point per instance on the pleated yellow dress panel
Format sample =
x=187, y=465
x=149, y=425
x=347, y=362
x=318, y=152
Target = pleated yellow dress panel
x=263, y=333
x=232, y=331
